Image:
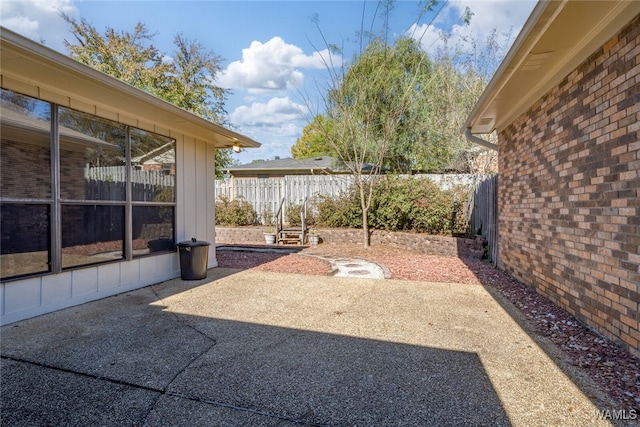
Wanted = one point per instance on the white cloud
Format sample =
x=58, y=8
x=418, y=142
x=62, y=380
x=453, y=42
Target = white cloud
x=278, y=116
x=276, y=124
x=38, y=20
x=272, y=66
x=505, y=17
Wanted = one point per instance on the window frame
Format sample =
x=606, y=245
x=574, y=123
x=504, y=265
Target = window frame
x=56, y=203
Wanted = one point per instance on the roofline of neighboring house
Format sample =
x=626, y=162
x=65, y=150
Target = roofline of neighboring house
x=239, y=170
x=276, y=169
x=287, y=164
x=278, y=172
x=557, y=37
x=49, y=75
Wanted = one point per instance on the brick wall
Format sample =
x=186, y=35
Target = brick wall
x=569, y=192
x=433, y=245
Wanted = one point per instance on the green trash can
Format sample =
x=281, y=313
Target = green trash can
x=194, y=255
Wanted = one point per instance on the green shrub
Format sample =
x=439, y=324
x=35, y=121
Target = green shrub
x=292, y=213
x=337, y=212
x=267, y=217
x=398, y=204
x=234, y=212
x=459, y=221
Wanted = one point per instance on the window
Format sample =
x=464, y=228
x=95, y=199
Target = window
x=153, y=229
x=92, y=234
x=92, y=157
x=26, y=239
x=106, y=175
x=25, y=183
x=153, y=192
x=153, y=167
x=92, y=174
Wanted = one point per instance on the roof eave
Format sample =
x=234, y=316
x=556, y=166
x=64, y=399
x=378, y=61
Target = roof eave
x=557, y=38
x=34, y=64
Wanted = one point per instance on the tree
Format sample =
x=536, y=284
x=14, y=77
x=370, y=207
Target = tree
x=388, y=109
x=190, y=81
x=313, y=142
x=185, y=81
x=460, y=74
x=126, y=56
x=369, y=107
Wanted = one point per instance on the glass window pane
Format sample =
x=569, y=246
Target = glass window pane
x=91, y=234
x=92, y=157
x=153, y=167
x=25, y=153
x=153, y=229
x=25, y=239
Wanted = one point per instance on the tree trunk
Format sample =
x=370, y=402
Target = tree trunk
x=365, y=225
x=365, y=228
x=365, y=211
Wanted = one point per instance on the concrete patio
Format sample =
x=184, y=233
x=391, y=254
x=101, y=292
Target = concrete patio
x=266, y=349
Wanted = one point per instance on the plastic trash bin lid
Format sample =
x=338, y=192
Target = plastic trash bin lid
x=193, y=243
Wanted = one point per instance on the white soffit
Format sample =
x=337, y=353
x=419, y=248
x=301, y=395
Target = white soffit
x=556, y=39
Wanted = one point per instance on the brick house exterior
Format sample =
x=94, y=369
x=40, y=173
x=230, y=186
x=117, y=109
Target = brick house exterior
x=569, y=189
x=570, y=202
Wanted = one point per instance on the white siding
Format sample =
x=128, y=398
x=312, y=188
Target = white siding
x=196, y=206
x=56, y=288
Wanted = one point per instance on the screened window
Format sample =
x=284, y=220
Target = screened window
x=153, y=229
x=26, y=239
x=94, y=191
x=152, y=167
x=25, y=183
x=92, y=234
x=92, y=157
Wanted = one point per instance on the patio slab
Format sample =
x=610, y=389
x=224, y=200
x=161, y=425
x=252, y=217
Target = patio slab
x=256, y=348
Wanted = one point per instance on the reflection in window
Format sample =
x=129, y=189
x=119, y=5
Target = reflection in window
x=25, y=239
x=92, y=157
x=153, y=229
x=101, y=189
x=152, y=167
x=92, y=234
x=25, y=154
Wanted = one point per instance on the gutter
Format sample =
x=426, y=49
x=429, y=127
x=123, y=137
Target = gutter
x=472, y=138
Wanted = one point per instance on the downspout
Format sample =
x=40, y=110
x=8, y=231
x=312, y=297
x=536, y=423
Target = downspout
x=472, y=138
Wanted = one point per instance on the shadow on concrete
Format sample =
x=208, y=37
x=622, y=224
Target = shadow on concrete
x=125, y=360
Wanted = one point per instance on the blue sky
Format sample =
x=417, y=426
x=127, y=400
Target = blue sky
x=272, y=50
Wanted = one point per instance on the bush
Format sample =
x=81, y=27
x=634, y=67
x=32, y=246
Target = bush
x=337, y=212
x=292, y=213
x=398, y=204
x=267, y=217
x=235, y=212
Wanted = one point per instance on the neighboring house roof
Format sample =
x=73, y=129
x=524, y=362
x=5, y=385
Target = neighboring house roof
x=58, y=78
x=289, y=166
x=16, y=125
x=161, y=155
x=556, y=39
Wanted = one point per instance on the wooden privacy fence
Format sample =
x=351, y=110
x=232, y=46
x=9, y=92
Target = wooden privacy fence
x=265, y=194
x=482, y=213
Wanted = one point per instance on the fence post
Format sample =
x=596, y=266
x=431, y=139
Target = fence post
x=482, y=213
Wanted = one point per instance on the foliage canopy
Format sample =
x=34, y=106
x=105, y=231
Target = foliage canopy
x=184, y=78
